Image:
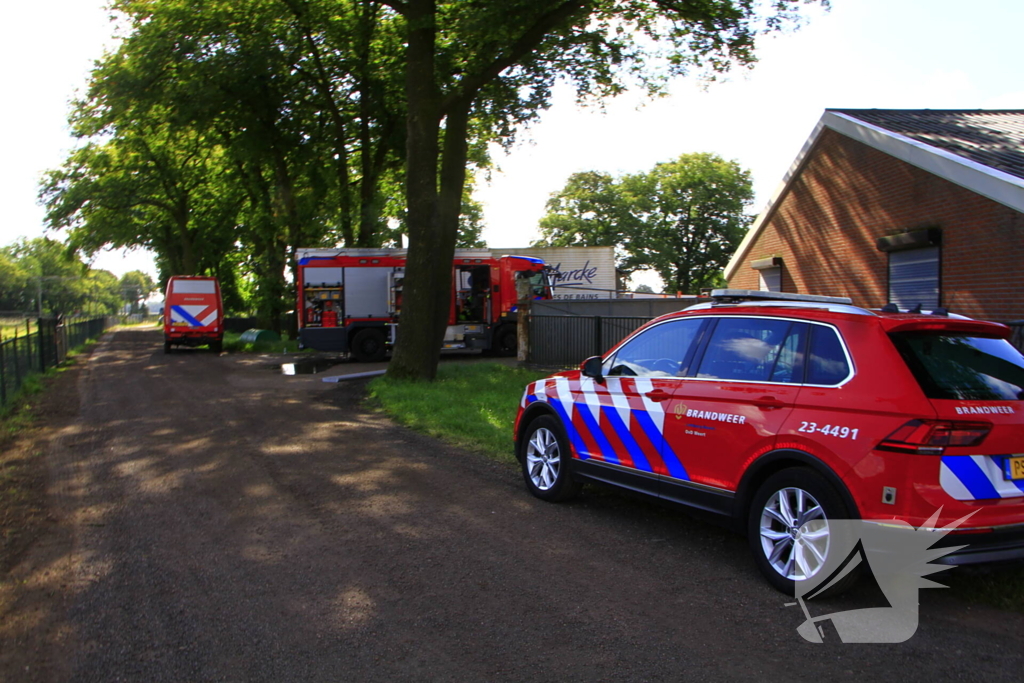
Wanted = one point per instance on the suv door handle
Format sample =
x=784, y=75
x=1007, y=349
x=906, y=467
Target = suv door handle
x=658, y=395
x=769, y=403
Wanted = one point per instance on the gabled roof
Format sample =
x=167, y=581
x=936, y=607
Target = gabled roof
x=992, y=138
x=981, y=150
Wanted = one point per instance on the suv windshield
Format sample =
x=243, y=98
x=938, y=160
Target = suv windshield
x=950, y=366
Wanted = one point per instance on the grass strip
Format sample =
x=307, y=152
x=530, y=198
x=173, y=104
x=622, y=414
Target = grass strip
x=233, y=343
x=472, y=405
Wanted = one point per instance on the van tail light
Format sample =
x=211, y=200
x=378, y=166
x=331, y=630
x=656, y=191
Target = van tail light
x=931, y=437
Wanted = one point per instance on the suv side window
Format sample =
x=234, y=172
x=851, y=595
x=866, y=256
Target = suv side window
x=746, y=349
x=828, y=363
x=660, y=351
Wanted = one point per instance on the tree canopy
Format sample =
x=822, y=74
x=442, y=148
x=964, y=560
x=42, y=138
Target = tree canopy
x=44, y=276
x=683, y=219
x=226, y=134
x=492, y=65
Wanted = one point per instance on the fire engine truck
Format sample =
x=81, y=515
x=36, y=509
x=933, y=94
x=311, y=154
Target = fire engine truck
x=350, y=300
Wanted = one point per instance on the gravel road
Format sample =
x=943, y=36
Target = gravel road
x=215, y=520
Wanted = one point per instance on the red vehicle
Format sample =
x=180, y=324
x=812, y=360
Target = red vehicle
x=773, y=410
x=351, y=299
x=193, y=313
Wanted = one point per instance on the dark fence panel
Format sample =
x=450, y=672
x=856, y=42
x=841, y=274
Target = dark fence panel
x=34, y=352
x=567, y=340
x=1017, y=339
x=238, y=324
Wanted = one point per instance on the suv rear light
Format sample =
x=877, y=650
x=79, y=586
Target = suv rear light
x=931, y=437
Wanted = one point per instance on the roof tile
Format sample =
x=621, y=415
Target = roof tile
x=994, y=138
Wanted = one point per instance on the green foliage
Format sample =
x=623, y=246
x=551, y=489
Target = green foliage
x=469, y=405
x=136, y=286
x=481, y=70
x=68, y=286
x=224, y=135
x=683, y=219
x=233, y=343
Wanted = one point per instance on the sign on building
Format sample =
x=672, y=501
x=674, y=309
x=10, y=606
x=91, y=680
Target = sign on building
x=580, y=272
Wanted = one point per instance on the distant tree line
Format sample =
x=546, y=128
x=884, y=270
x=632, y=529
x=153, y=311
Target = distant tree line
x=45, y=276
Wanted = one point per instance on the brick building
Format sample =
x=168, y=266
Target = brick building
x=904, y=206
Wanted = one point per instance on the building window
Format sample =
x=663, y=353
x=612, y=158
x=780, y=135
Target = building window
x=769, y=273
x=914, y=278
x=914, y=259
x=770, y=280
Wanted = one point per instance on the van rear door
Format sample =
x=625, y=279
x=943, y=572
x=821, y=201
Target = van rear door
x=194, y=303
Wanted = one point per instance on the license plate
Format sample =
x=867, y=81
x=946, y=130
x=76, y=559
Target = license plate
x=1014, y=467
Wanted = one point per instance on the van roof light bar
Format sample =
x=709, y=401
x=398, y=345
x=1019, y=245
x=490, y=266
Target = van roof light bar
x=732, y=296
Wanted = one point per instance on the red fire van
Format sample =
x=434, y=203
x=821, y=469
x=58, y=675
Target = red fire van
x=193, y=313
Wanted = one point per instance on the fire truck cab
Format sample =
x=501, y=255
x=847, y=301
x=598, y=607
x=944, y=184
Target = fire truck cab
x=350, y=300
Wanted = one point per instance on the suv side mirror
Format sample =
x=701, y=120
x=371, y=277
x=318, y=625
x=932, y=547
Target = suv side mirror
x=591, y=367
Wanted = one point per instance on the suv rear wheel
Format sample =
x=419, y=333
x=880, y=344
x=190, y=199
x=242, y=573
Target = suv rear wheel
x=788, y=528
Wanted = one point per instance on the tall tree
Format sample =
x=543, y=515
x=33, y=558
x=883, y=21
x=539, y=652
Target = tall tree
x=492, y=65
x=136, y=286
x=693, y=215
x=683, y=219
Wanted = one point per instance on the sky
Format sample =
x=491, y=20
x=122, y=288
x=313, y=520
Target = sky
x=884, y=54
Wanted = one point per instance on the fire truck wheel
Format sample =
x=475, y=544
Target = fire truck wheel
x=368, y=346
x=167, y=347
x=506, y=341
x=217, y=346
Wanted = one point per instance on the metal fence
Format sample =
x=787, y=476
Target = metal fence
x=24, y=355
x=566, y=340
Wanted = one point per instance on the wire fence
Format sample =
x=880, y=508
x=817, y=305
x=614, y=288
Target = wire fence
x=24, y=352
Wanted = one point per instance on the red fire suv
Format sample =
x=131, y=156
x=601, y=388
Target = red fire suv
x=777, y=409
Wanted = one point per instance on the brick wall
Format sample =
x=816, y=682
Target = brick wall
x=847, y=195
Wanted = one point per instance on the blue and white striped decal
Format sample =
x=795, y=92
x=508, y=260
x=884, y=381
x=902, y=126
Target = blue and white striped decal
x=620, y=414
x=977, y=477
x=190, y=315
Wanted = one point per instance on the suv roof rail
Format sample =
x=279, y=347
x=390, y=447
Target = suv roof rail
x=732, y=296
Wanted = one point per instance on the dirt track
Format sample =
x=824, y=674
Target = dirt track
x=214, y=520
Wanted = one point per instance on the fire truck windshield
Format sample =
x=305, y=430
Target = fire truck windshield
x=539, y=283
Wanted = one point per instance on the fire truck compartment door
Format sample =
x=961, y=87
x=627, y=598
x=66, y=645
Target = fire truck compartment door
x=366, y=292
x=321, y=277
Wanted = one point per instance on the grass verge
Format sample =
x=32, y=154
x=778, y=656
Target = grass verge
x=233, y=342
x=22, y=468
x=472, y=406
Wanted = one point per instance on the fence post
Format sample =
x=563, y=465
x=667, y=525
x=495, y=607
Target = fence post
x=3, y=376
x=17, y=363
x=42, y=346
x=598, y=346
x=524, y=294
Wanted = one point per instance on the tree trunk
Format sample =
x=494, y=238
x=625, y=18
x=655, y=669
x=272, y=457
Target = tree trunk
x=427, y=278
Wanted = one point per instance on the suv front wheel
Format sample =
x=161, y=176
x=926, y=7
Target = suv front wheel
x=545, y=459
x=789, y=532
